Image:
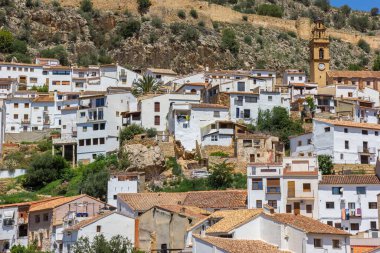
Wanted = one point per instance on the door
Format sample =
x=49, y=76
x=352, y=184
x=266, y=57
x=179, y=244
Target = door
x=364, y=159
x=297, y=208
x=291, y=189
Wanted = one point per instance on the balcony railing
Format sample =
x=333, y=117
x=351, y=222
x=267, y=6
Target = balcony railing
x=301, y=195
x=273, y=190
x=25, y=121
x=366, y=150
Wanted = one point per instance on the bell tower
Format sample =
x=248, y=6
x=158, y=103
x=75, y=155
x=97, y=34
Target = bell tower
x=319, y=53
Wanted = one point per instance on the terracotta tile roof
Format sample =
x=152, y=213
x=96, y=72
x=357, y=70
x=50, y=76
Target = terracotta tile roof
x=240, y=246
x=353, y=74
x=162, y=71
x=53, y=203
x=44, y=99
x=230, y=219
x=20, y=64
x=188, y=211
x=142, y=202
x=351, y=124
x=91, y=220
x=374, y=250
x=349, y=179
x=29, y=202
x=217, y=199
x=204, y=105
x=70, y=108
x=306, y=224
x=289, y=172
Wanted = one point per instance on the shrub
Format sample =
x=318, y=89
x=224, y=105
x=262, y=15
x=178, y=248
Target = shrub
x=360, y=23
x=129, y=28
x=345, y=10
x=248, y=40
x=151, y=132
x=215, y=25
x=176, y=27
x=282, y=36
x=354, y=67
x=339, y=20
x=86, y=6
x=143, y=6
x=20, y=57
x=364, y=46
x=19, y=46
x=58, y=52
x=323, y=5
x=181, y=14
x=229, y=41
x=219, y=153
x=129, y=132
x=325, y=164
x=221, y=176
x=201, y=23
x=193, y=13
x=292, y=34
x=190, y=34
x=270, y=10
x=157, y=22
x=376, y=63
x=374, y=11
x=6, y=41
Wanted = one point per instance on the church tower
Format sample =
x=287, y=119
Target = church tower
x=319, y=54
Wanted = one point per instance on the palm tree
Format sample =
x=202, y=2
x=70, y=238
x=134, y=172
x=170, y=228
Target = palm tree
x=145, y=85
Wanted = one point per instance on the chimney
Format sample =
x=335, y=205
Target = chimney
x=137, y=240
x=268, y=209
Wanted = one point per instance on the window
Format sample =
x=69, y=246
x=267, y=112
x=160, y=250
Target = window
x=15, y=105
x=321, y=53
x=372, y=205
x=327, y=129
x=351, y=205
x=341, y=156
x=216, y=114
x=241, y=86
x=330, y=223
x=350, y=94
x=250, y=99
x=272, y=203
x=364, y=132
x=247, y=143
x=299, y=143
x=247, y=113
x=214, y=138
x=292, y=78
x=101, y=140
x=15, y=116
x=81, y=142
x=88, y=142
x=156, y=120
x=288, y=208
x=100, y=102
x=157, y=106
x=82, y=114
x=337, y=190
x=98, y=228
x=329, y=205
x=373, y=225
x=306, y=187
x=346, y=130
x=376, y=133
x=257, y=184
x=95, y=127
x=259, y=204
x=346, y=145
x=338, y=225
x=102, y=126
x=309, y=208
x=95, y=141
x=360, y=190
x=336, y=244
x=46, y=216
x=270, y=98
x=84, y=128
x=354, y=226
x=308, y=141
x=37, y=218
x=317, y=243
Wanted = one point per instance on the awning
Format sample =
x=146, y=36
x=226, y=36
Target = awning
x=9, y=214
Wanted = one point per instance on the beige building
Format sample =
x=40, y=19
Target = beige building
x=369, y=79
x=258, y=148
x=319, y=54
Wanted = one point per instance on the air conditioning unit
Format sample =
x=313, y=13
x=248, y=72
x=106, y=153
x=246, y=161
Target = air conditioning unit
x=375, y=234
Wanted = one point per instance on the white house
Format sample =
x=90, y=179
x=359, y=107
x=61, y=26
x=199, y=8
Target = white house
x=200, y=123
x=302, y=145
x=162, y=75
x=109, y=224
x=191, y=78
x=346, y=141
x=349, y=202
x=288, y=187
x=11, y=231
x=265, y=231
x=193, y=88
x=294, y=76
x=124, y=182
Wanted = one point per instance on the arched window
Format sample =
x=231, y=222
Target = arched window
x=321, y=53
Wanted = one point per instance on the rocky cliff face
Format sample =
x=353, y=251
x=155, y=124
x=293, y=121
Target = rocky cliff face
x=185, y=46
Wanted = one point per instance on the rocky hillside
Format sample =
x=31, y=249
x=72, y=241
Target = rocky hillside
x=185, y=41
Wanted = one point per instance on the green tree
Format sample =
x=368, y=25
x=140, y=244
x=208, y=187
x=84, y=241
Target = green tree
x=323, y=4
x=221, y=176
x=58, y=52
x=364, y=45
x=143, y=6
x=44, y=169
x=376, y=63
x=360, y=23
x=129, y=28
x=229, y=41
x=95, y=177
x=6, y=41
x=86, y=6
x=325, y=164
x=354, y=67
x=19, y=46
x=145, y=85
x=374, y=11
x=127, y=133
x=311, y=104
x=345, y=9
x=270, y=10
x=117, y=244
x=25, y=249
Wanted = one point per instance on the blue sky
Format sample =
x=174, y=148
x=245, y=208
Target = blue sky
x=364, y=5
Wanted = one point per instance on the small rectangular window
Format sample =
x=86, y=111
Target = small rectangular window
x=330, y=223
x=257, y=184
x=95, y=127
x=157, y=106
x=214, y=138
x=373, y=225
x=95, y=141
x=81, y=142
x=272, y=203
x=309, y=208
x=317, y=243
x=156, y=120
x=337, y=190
x=288, y=208
x=84, y=128
x=351, y=205
x=216, y=114
x=336, y=244
x=46, y=216
x=247, y=143
x=360, y=190
x=98, y=228
x=338, y=225
x=346, y=130
x=270, y=98
x=354, y=226
x=372, y=205
x=364, y=132
x=307, y=187
x=329, y=205
x=88, y=142
x=101, y=140
x=346, y=144
x=102, y=126
x=37, y=218
x=259, y=204
x=327, y=129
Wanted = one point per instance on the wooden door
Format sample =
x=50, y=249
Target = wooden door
x=297, y=208
x=291, y=189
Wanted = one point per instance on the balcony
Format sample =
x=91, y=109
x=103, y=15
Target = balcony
x=90, y=115
x=273, y=190
x=25, y=121
x=301, y=195
x=263, y=170
x=366, y=150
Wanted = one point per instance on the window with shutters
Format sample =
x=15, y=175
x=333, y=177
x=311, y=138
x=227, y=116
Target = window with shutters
x=156, y=120
x=157, y=106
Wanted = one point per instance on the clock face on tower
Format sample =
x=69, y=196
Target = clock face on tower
x=321, y=66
